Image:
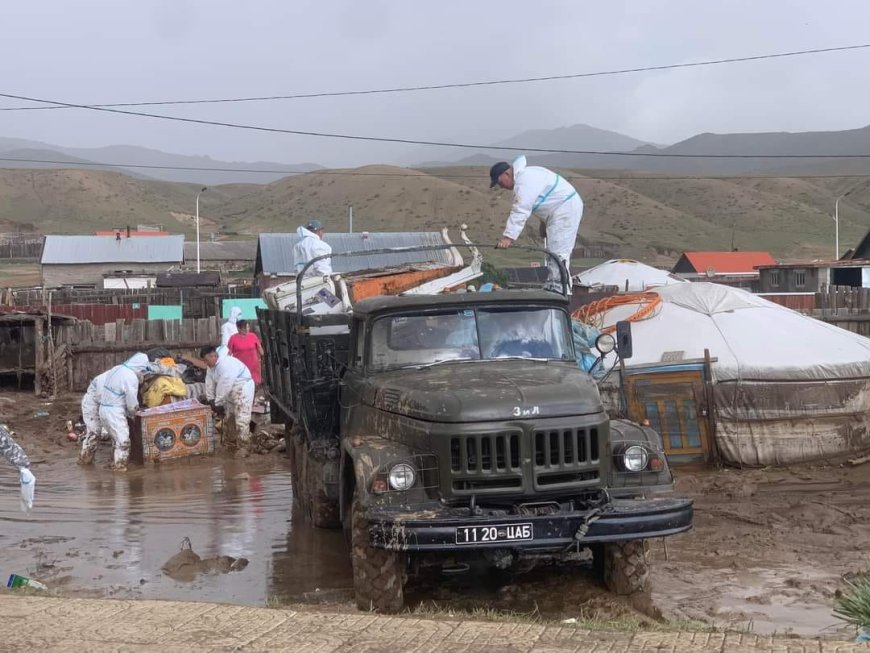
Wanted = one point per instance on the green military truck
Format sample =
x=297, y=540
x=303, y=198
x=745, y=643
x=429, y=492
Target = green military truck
x=449, y=430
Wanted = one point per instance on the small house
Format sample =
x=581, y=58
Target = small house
x=735, y=269
x=108, y=261
x=221, y=255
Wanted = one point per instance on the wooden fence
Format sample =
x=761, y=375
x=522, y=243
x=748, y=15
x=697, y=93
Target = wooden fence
x=20, y=247
x=196, y=303
x=845, y=307
x=837, y=297
x=92, y=349
x=856, y=322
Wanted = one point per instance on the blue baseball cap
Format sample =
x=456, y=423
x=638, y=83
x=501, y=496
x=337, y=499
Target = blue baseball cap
x=497, y=171
x=314, y=225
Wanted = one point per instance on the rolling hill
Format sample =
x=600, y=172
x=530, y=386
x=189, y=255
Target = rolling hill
x=641, y=215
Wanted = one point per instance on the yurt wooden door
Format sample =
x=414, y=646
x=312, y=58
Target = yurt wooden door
x=674, y=404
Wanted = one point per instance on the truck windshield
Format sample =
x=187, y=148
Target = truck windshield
x=469, y=334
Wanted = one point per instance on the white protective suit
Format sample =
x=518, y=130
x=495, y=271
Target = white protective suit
x=229, y=328
x=234, y=391
x=555, y=201
x=311, y=246
x=210, y=384
x=91, y=417
x=119, y=400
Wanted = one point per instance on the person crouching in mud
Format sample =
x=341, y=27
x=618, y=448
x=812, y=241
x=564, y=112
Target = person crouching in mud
x=119, y=401
x=231, y=392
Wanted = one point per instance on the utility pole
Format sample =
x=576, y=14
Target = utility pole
x=350, y=219
x=197, y=226
x=836, y=217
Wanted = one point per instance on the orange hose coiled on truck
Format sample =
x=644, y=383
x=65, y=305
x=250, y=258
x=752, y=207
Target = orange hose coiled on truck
x=593, y=312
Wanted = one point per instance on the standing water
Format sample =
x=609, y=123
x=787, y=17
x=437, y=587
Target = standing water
x=96, y=533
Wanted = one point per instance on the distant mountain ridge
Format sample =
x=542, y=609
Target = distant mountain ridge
x=634, y=153
x=134, y=154
x=575, y=137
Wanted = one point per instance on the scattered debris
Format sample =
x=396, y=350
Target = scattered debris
x=265, y=441
x=186, y=565
x=15, y=581
x=41, y=413
x=854, y=462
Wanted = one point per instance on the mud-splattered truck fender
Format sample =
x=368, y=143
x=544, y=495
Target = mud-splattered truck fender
x=367, y=459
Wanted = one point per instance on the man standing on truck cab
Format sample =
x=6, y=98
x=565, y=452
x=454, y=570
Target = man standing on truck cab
x=310, y=246
x=546, y=194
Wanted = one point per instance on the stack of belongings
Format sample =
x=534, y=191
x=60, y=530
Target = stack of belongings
x=164, y=385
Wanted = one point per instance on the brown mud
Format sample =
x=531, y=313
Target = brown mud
x=767, y=553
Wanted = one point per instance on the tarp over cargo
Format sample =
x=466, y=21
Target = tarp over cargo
x=787, y=387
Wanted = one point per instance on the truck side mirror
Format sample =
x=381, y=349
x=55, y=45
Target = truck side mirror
x=623, y=339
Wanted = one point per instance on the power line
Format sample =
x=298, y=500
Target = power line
x=438, y=87
x=418, y=173
x=409, y=141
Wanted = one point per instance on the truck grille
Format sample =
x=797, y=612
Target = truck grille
x=565, y=457
x=486, y=461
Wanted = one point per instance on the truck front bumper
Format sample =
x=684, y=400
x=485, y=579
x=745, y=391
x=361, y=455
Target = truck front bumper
x=441, y=528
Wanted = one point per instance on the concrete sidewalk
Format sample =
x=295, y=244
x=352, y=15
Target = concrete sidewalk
x=33, y=623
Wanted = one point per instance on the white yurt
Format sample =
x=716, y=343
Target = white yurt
x=625, y=274
x=776, y=386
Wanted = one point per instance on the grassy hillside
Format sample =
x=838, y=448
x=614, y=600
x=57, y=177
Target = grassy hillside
x=649, y=217
x=83, y=201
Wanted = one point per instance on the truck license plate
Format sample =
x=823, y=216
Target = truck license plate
x=500, y=533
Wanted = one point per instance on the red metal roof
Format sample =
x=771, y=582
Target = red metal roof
x=728, y=262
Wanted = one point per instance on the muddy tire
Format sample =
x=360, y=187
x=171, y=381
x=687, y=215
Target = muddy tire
x=378, y=575
x=320, y=509
x=626, y=567
x=293, y=451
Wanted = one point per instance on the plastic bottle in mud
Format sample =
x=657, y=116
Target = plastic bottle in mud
x=16, y=581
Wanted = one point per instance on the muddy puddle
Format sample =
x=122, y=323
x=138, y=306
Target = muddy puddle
x=767, y=553
x=100, y=534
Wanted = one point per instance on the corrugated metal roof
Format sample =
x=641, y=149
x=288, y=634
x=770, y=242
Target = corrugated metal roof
x=222, y=250
x=108, y=249
x=275, y=251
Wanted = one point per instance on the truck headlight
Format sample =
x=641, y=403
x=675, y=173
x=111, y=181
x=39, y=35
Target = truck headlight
x=402, y=477
x=635, y=458
x=605, y=343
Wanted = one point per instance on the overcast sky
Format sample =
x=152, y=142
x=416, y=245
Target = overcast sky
x=120, y=50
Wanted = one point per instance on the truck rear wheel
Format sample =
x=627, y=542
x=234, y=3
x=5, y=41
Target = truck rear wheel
x=626, y=567
x=319, y=508
x=378, y=575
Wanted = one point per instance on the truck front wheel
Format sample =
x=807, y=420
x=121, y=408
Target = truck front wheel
x=378, y=574
x=625, y=566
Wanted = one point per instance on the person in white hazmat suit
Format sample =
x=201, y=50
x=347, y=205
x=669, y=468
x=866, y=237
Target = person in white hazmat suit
x=229, y=328
x=546, y=194
x=91, y=417
x=13, y=453
x=310, y=246
x=231, y=390
x=119, y=399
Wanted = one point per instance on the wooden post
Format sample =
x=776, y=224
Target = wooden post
x=52, y=373
x=38, y=355
x=710, y=400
